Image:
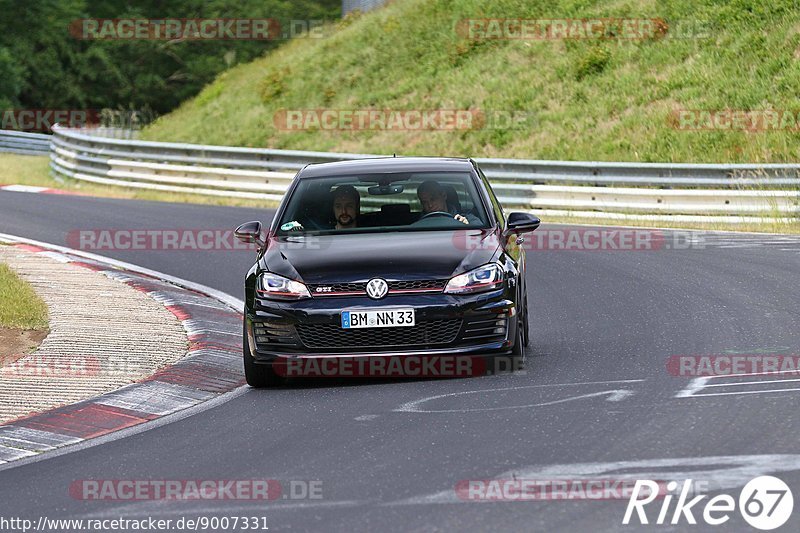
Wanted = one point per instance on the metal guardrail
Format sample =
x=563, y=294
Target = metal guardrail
x=20, y=142
x=361, y=5
x=591, y=187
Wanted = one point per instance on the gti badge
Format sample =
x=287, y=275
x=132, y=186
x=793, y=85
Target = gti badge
x=377, y=288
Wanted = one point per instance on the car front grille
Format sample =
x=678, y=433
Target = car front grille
x=418, y=285
x=338, y=287
x=333, y=336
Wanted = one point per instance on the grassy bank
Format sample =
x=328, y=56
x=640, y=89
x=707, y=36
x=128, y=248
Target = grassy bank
x=582, y=99
x=23, y=317
x=20, y=307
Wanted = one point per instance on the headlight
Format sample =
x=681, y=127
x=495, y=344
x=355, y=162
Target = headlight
x=480, y=279
x=277, y=287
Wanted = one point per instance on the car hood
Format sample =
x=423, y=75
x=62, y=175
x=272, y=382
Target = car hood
x=396, y=255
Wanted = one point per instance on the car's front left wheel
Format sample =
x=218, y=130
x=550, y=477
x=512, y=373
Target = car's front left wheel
x=257, y=376
x=518, y=352
x=526, y=326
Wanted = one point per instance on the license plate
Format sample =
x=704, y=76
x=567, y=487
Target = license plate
x=379, y=318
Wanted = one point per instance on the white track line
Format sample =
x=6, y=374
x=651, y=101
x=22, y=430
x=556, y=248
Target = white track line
x=615, y=395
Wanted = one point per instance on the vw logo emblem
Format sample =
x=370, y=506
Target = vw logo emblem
x=377, y=288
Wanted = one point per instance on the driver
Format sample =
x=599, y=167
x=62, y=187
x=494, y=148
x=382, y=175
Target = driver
x=433, y=198
x=346, y=206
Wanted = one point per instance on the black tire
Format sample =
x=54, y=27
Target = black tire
x=258, y=376
x=526, y=326
x=518, y=352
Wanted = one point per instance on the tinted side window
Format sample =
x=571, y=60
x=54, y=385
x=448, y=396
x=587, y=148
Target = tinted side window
x=498, y=209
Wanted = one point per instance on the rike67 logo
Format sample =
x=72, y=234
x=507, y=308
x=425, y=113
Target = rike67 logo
x=765, y=503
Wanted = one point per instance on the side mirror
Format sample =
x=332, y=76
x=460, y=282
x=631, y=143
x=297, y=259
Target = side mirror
x=250, y=232
x=521, y=223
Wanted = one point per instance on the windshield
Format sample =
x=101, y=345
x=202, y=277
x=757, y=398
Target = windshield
x=384, y=202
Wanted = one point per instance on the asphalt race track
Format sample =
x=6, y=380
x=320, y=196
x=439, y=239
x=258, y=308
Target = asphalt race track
x=596, y=397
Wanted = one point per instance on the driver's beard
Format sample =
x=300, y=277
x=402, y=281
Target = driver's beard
x=350, y=221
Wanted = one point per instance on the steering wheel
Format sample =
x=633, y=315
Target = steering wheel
x=436, y=214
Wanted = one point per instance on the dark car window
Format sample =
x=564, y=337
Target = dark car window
x=387, y=202
x=498, y=209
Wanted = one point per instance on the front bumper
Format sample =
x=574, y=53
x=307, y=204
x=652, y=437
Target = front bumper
x=481, y=324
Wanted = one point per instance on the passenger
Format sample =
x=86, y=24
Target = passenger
x=346, y=207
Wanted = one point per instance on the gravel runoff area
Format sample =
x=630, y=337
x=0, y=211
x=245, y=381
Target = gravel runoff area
x=104, y=334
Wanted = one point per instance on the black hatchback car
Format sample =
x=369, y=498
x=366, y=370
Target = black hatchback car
x=385, y=257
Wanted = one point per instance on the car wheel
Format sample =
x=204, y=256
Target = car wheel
x=526, y=325
x=258, y=376
x=518, y=352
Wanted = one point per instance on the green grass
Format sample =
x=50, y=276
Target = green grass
x=34, y=170
x=612, y=100
x=609, y=100
x=20, y=307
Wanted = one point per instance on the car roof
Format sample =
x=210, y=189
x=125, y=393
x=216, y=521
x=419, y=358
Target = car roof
x=379, y=165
